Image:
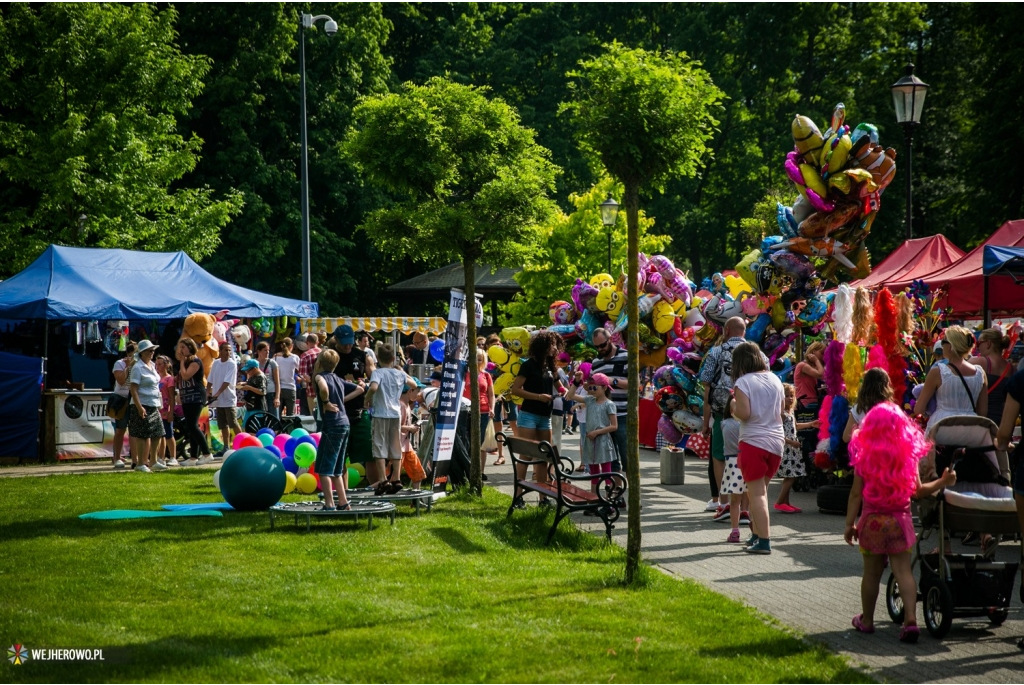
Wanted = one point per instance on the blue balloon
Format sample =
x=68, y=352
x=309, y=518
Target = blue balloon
x=273, y=450
x=290, y=465
x=300, y=440
x=289, y=447
x=757, y=329
x=266, y=431
x=437, y=350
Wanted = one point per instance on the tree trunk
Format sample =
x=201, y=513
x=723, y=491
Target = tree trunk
x=475, y=439
x=632, y=200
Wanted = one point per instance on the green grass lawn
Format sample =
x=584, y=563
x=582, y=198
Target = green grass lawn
x=459, y=594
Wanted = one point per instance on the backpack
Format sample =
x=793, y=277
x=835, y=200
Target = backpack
x=721, y=384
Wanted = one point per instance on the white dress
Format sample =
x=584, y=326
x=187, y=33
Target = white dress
x=951, y=398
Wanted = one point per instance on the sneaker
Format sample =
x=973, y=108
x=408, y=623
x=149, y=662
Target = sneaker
x=544, y=502
x=190, y=462
x=751, y=540
x=159, y=466
x=745, y=518
x=760, y=547
x=173, y=462
x=218, y=455
x=519, y=504
x=712, y=505
x=483, y=477
x=205, y=460
x=142, y=468
x=118, y=464
x=734, y=536
x=722, y=514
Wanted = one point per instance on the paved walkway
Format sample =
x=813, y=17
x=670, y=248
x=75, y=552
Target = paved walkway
x=810, y=582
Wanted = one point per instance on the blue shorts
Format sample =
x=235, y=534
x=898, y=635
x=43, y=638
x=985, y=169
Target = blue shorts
x=168, y=430
x=533, y=421
x=333, y=441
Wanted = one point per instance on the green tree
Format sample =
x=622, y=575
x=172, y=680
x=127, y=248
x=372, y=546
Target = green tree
x=575, y=246
x=647, y=116
x=90, y=98
x=472, y=182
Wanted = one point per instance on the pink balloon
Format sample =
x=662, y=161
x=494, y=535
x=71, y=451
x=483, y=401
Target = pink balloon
x=316, y=438
x=237, y=444
x=279, y=442
x=668, y=430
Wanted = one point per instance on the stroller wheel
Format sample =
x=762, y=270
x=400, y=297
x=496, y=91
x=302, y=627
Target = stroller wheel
x=261, y=420
x=938, y=609
x=997, y=616
x=894, y=600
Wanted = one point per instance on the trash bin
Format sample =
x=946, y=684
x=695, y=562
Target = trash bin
x=673, y=466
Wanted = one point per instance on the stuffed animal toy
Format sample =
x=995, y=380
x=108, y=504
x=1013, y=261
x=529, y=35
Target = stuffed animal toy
x=200, y=328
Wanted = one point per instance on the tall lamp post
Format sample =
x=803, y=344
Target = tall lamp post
x=908, y=96
x=330, y=28
x=609, y=210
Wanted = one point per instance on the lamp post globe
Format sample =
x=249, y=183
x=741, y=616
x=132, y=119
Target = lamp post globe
x=908, y=96
x=609, y=211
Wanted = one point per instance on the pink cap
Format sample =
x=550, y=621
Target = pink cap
x=600, y=379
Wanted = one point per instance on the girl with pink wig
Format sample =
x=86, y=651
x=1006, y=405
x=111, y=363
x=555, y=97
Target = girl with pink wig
x=884, y=453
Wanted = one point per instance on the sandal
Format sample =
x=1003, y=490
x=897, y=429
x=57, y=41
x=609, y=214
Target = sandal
x=909, y=634
x=858, y=623
x=345, y=507
x=500, y=461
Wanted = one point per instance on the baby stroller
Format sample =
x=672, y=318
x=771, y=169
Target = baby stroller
x=963, y=585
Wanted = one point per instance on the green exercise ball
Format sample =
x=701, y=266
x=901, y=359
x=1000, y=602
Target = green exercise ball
x=252, y=479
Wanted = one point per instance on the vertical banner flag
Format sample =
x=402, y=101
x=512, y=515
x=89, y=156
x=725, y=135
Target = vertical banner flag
x=453, y=372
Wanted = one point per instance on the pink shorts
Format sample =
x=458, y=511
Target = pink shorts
x=756, y=463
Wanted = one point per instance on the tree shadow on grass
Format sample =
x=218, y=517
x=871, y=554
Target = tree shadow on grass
x=781, y=647
x=457, y=541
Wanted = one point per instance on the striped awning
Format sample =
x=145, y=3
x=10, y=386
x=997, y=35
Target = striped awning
x=387, y=324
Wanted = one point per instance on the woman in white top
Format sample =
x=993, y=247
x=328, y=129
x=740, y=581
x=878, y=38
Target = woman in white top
x=287, y=365
x=959, y=388
x=144, y=423
x=758, y=406
x=271, y=370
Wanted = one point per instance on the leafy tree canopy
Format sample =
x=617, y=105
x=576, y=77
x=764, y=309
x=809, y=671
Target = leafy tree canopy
x=473, y=183
x=90, y=97
x=575, y=246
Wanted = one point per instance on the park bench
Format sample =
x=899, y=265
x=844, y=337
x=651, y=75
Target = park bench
x=562, y=486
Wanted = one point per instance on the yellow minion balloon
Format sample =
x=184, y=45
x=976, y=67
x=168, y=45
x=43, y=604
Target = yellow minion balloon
x=609, y=301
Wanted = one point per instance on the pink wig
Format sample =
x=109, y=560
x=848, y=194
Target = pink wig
x=823, y=412
x=884, y=452
x=834, y=368
x=877, y=359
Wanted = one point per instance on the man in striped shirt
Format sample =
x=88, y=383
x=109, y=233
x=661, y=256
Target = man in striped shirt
x=613, y=362
x=306, y=363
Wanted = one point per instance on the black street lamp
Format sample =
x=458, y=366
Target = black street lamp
x=908, y=96
x=609, y=210
x=330, y=28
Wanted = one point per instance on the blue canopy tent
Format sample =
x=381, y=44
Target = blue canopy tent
x=1001, y=260
x=21, y=383
x=82, y=284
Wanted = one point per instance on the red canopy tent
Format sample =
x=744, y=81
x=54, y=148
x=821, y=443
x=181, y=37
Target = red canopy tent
x=966, y=283
x=911, y=260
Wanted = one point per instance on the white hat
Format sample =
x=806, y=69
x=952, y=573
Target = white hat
x=143, y=346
